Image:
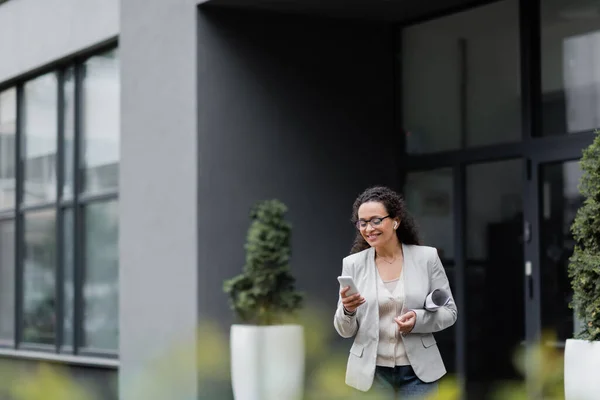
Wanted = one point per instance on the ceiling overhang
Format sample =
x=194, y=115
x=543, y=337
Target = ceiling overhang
x=382, y=10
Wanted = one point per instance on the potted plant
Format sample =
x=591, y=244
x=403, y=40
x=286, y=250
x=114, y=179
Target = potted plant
x=582, y=354
x=267, y=354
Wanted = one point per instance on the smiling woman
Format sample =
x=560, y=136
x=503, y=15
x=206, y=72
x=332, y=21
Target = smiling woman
x=394, y=350
x=389, y=204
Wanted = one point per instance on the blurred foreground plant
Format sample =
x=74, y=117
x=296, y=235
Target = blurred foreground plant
x=165, y=377
x=543, y=364
x=44, y=383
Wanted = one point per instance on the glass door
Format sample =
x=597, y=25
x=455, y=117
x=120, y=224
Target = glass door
x=559, y=202
x=494, y=306
x=551, y=201
x=473, y=215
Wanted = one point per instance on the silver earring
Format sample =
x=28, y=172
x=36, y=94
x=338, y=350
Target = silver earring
x=395, y=225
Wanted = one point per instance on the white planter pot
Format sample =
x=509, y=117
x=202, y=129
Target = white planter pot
x=267, y=362
x=582, y=370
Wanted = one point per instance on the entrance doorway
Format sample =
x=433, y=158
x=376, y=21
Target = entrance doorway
x=496, y=104
x=473, y=214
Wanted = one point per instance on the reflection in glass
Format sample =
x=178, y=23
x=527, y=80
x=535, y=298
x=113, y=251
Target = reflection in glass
x=69, y=273
x=494, y=273
x=39, y=139
x=560, y=201
x=7, y=281
x=570, y=40
x=8, y=125
x=39, y=314
x=429, y=198
x=69, y=134
x=101, y=116
x=460, y=79
x=101, y=288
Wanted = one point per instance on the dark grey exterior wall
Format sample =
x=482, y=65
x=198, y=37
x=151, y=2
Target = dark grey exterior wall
x=293, y=108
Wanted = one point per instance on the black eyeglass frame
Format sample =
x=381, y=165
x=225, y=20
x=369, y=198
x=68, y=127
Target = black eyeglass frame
x=375, y=221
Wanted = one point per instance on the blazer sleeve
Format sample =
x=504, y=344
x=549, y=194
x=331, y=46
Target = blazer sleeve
x=345, y=325
x=427, y=321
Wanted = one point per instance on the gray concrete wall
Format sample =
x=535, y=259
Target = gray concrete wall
x=36, y=32
x=158, y=181
x=293, y=108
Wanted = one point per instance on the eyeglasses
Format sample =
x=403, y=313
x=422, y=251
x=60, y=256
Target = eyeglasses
x=362, y=224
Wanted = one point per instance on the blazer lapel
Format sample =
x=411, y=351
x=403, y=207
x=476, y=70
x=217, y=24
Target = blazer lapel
x=372, y=275
x=407, y=271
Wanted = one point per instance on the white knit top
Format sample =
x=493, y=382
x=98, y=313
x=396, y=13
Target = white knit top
x=390, y=349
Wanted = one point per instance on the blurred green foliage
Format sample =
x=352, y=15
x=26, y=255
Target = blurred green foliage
x=325, y=370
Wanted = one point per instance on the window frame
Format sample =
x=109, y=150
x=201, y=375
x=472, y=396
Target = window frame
x=76, y=202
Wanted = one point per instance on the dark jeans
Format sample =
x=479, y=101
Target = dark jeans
x=401, y=383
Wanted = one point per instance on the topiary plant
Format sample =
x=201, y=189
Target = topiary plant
x=264, y=294
x=584, y=266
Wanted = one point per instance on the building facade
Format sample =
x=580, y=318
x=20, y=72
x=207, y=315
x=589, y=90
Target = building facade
x=135, y=136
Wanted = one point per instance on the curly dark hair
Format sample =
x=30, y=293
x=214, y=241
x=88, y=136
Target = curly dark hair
x=394, y=204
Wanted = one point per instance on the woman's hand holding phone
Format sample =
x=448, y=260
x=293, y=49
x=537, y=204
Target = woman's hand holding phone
x=351, y=302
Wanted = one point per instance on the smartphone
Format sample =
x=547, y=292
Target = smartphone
x=348, y=281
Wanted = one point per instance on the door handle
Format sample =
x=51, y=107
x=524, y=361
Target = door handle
x=529, y=278
x=526, y=232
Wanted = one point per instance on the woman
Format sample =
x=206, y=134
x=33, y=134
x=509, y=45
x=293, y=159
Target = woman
x=394, y=349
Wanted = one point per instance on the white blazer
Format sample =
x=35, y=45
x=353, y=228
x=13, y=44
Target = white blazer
x=423, y=272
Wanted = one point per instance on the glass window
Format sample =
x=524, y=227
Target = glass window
x=7, y=281
x=430, y=197
x=65, y=234
x=101, y=116
x=461, y=80
x=68, y=134
x=40, y=139
x=69, y=276
x=8, y=126
x=494, y=249
x=39, y=314
x=101, y=288
x=570, y=35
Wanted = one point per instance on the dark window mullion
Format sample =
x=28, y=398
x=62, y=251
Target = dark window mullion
x=7, y=215
x=60, y=268
x=37, y=206
x=472, y=155
x=77, y=214
x=19, y=149
x=554, y=147
x=66, y=203
x=98, y=197
x=531, y=68
x=460, y=276
x=101, y=353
